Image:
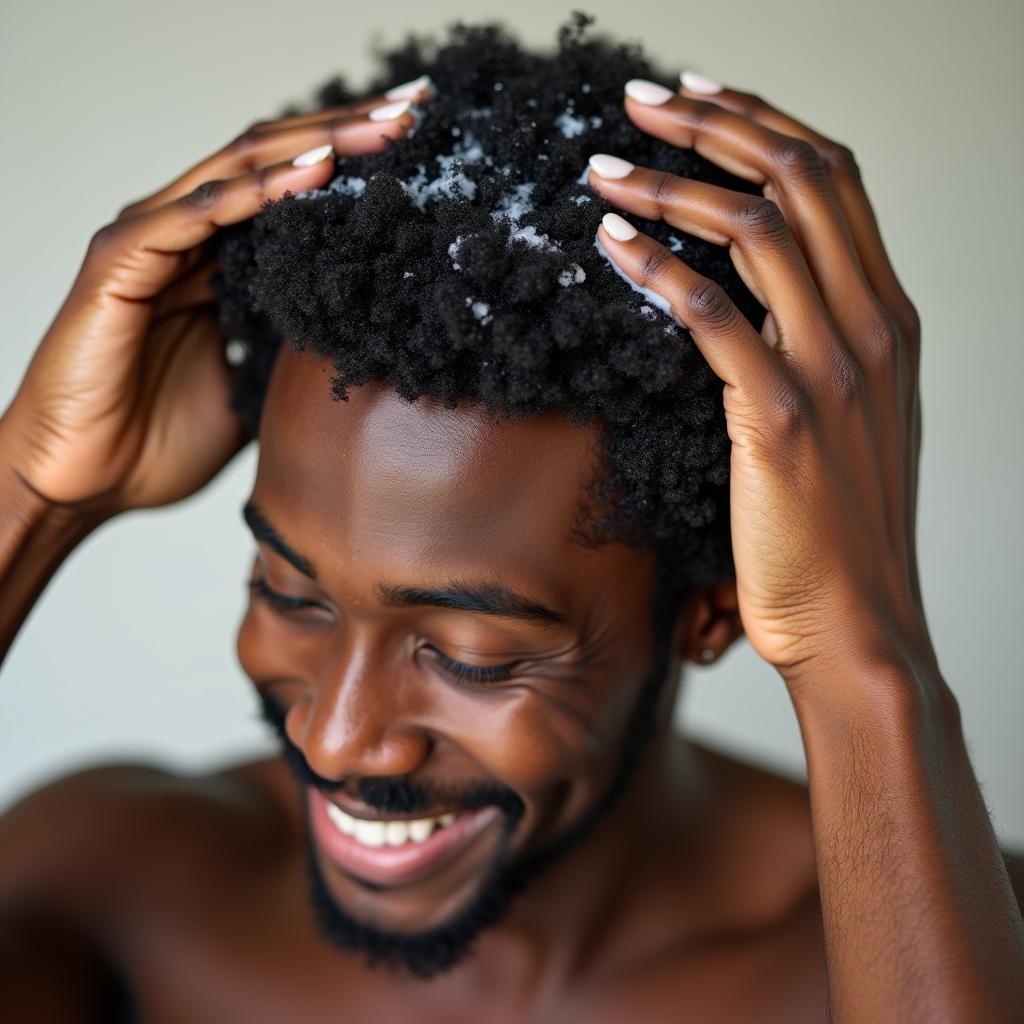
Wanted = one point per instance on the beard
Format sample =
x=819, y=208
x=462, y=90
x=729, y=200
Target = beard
x=436, y=950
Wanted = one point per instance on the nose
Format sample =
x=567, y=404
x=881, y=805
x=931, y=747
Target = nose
x=362, y=719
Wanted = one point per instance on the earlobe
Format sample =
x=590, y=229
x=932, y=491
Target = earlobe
x=710, y=622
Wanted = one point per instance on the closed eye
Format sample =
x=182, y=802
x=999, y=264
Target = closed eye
x=475, y=673
x=459, y=669
x=282, y=602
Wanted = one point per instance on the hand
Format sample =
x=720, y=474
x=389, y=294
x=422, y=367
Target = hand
x=125, y=402
x=822, y=406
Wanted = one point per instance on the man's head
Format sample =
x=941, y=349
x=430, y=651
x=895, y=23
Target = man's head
x=527, y=476
x=421, y=535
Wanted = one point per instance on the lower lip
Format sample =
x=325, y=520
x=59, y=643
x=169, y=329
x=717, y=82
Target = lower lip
x=396, y=865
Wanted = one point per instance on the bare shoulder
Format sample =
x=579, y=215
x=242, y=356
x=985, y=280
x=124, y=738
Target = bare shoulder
x=52, y=836
x=758, y=827
x=87, y=856
x=87, y=842
x=783, y=803
x=764, y=798
x=1015, y=869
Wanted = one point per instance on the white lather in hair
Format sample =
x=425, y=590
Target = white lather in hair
x=451, y=182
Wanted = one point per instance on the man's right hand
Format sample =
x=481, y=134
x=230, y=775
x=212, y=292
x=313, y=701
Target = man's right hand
x=125, y=401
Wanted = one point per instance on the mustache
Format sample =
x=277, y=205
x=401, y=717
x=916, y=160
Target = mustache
x=388, y=794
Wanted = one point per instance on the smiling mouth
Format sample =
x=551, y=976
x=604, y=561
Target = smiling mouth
x=394, y=851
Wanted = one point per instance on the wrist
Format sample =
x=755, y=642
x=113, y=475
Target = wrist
x=898, y=685
x=23, y=503
x=862, y=637
x=35, y=537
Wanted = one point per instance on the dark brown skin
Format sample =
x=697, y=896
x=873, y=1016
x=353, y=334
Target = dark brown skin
x=714, y=891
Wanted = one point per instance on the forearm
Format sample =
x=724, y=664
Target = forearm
x=35, y=538
x=920, y=920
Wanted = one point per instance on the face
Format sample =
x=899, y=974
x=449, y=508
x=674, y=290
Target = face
x=458, y=683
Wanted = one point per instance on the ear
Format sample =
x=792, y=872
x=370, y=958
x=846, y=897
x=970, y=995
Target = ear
x=709, y=621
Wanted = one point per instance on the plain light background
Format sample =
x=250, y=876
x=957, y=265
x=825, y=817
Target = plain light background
x=130, y=652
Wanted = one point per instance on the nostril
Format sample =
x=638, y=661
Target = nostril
x=369, y=747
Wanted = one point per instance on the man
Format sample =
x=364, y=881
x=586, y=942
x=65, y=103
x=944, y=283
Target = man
x=481, y=811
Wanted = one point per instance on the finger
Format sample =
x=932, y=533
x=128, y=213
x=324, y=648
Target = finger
x=348, y=134
x=731, y=346
x=195, y=370
x=791, y=173
x=760, y=242
x=847, y=184
x=189, y=291
x=862, y=224
x=133, y=260
x=419, y=90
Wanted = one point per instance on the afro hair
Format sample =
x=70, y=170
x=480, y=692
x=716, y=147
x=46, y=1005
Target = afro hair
x=462, y=263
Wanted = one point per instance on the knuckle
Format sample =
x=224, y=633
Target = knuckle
x=662, y=187
x=845, y=378
x=653, y=265
x=105, y=238
x=336, y=129
x=128, y=210
x=759, y=216
x=789, y=410
x=909, y=319
x=798, y=158
x=702, y=113
x=883, y=341
x=749, y=104
x=245, y=147
x=264, y=177
x=840, y=161
x=203, y=196
x=707, y=303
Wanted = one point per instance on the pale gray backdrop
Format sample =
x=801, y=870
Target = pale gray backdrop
x=130, y=652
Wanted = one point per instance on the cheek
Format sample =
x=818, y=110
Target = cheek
x=534, y=741
x=246, y=646
x=262, y=650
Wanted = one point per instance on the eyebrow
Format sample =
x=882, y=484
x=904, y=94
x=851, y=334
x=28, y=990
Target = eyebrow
x=486, y=598
x=262, y=530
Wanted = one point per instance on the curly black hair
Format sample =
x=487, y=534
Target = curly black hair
x=461, y=263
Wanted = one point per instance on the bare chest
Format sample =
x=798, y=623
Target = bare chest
x=252, y=953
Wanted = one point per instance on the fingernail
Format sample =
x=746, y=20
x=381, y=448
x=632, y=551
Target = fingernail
x=390, y=111
x=618, y=227
x=698, y=83
x=607, y=166
x=313, y=156
x=236, y=351
x=650, y=93
x=410, y=89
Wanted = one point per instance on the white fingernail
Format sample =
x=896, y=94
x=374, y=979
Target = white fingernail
x=236, y=351
x=410, y=89
x=698, y=83
x=313, y=156
x=607, y=166
x=390, y=111
x=650, y=93
x=618, y=227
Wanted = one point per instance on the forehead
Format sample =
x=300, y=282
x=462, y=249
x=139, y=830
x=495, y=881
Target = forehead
x=377, y=480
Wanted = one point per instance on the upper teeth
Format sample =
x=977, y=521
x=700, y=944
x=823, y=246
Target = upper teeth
x=391, y=833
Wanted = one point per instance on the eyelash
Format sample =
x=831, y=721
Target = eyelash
x=460, y=670
x=475, y=673
x=282, y=602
